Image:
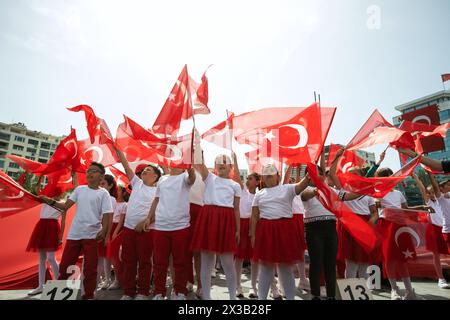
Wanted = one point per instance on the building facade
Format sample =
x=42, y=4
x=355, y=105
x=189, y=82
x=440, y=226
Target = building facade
x=17, y=140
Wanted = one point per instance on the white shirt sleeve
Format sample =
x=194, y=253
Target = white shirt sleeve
x=134, y=181
x=402, y=198
x=74, y=195
x=371, y=201
x=106, y=203
x=255, y=202
x=237, y=190
x=158, y=190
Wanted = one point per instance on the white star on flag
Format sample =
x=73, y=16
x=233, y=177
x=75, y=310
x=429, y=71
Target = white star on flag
x=145, y=144
x=408, y=254
x=172, y=97
x=83, y=161
x=269, y=136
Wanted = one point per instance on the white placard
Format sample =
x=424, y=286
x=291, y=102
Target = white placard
x=353, y=289
x=61, y=290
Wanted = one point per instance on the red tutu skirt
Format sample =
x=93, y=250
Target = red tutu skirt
x=215, y=230
x=194, y=211
x=447, y=240
x=45, y=236
x=352, y=250
x=300, y=227
x=435, y=241
x=113, y=248
x=277, y=241
x=244, y=251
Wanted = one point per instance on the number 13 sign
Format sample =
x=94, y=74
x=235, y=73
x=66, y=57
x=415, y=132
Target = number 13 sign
x=61, y=290
x=353, y=289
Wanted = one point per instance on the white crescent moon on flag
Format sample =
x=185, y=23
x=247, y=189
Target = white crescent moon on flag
x=19, y=196
x=99, y=153
x=67, y=181
x=303, y=134
x=422, y=117
x=407, y=230
x=347, y=166
x=75, y=145
x=177, y=154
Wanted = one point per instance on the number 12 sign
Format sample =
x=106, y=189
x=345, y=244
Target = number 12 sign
x=61, y=290
x=353, y=289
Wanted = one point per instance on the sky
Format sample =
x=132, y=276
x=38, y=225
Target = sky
x=123, y=57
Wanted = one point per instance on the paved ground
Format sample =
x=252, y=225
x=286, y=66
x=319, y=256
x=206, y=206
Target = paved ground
x=426, y=290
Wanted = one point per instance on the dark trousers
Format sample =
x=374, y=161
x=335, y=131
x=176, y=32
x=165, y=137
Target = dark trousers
x=322, y=241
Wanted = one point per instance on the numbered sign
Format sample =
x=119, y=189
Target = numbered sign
x=61, y=290
x=353, y=289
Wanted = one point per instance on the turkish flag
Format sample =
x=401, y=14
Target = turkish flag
x=377, y=130
x=376, y=187
x=96, y=127
x=256, y=162
x=13, y=197
x=348, y=159
x=428, y=138
x=177, y=107
x=120, y=177
x=58, y=182
x=445, y=77
x=404, y=245
x=428, y=115
x=364, y=234
x=88, y=152
x=200, y=95
x=221, y=134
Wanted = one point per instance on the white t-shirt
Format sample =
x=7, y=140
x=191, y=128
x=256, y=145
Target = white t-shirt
x=361, y=205
x=276, y=202
x=436, y=217
x=445, y=206
x=91, y=206
x=48, y=212
x=245, y=204
x=139, y=204
x=172, y=212
x=220, y=192
x=315, y=211
x=297, y=205
x=120, y=209
x=393, y=199
x=197, y=190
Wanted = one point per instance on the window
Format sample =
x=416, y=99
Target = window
x=43, y=153
x=42, y=160
x=13, y=165
x=30, y=158
x=2, y=163
x=31, y=150
x=4, y=145
x=53, y=146
x=444, y=115
x=5, y=136
x=19, y=139
x=33, y=142
x=45, y=145
x=18, y=148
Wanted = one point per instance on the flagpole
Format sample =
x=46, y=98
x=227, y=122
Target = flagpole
x=315, y=99
x=229, y=130
x=193, y=116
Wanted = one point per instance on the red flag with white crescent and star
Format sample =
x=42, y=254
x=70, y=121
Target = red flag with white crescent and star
x=445, y=77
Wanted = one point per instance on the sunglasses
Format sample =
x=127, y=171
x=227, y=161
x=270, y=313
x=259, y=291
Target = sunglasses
x=93, y=171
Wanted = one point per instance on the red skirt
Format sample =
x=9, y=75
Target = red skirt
x=277, y=241
x=352, y=250
x=435, y=241
x=300, y=227
x=215, y=230
x=45, y=236
x=245, y=250
x=113, y=248
x=447, y=240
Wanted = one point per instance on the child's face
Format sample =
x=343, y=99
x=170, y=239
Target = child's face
x=251, y=183
x=94, y=175
x=104, y=184
x=271, y=180
x=149, y=176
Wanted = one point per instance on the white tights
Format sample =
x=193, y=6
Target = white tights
x=207, y=265
x=355, y=270
x=43, y=257
x=286, y=275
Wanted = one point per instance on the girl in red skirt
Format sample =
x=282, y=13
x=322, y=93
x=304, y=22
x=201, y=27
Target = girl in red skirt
x=217, y=230
x=273, y=234
x=435, y=241
x=244, y=251
x=47, y=238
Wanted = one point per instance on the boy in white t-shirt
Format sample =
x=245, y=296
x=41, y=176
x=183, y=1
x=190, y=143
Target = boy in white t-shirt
x=91, y=224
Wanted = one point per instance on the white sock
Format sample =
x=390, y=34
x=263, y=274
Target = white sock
x=53, y=264
x=107, y=269
x=351, y=269
x=254, y=275
x=287, y=279
x=227, y=262
x=362, y=270
x=208, y=261
x=265, y=280
x=301, y=271
x=42, y=268
x=393, y=284
x=238, y=267
x=408, y=285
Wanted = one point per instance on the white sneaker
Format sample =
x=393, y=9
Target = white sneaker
x=213, y=273
x=35, y=292
x=125, y=297
x=395, y=295
x=114, y=286
x=105, y=285
x=442, y=283
x=304, y=284
x=141, y=297
x=410, y=295
x=239, y=292
x=253, y=294
x=190, y=287
x=158, y=297
x=276, y=294
x=169, y=282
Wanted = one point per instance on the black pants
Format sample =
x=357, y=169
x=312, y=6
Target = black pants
x=322, y=241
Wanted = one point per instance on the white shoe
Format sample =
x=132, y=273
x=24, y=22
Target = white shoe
x=304, y=284
x=253, y=294
x=114, y=286
x=190, y=287
x=410, y=295
x=395, y=295
x=276, y=294
x=35, y=292
x=158, y=297
x=105, y=285
x=443, y=284
x=125, y=297
x=213, y=273
x=169, y=282
x=141, y=297
x=239, y=292
x=179, y=296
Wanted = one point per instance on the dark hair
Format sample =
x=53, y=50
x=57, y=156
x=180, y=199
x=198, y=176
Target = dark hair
x=111, y=181
x=254, y=175
x=155, y=170
x=125, y=193
x=98, y=165
x=384, y=172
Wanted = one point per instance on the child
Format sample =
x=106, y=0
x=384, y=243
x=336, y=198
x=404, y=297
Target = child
x=137, y=246
x=90, y=225
x=273, y=233
x=171, y=232
x=444, y=201
x=217, y=230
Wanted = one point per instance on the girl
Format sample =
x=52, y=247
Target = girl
x=217, y=230
x=137, y=246
x=47, y=237
x=434, y=239
x=273, y=233
x=104, y=264
x=171, y=231
x=115, y=241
